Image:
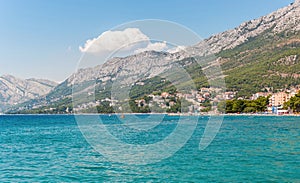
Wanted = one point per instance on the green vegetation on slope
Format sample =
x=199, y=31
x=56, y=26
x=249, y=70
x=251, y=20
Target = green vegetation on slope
x=262, y=62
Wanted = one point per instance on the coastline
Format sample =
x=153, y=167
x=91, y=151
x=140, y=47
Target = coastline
x=167, y=114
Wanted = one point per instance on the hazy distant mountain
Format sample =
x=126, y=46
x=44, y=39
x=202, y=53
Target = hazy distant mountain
x=258, y=54
x=15, y=91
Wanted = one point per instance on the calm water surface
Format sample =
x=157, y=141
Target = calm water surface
x=247, y=149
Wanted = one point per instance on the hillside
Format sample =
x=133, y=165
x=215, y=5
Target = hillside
x=261, y=54
x=15, y=91
x=265, y=63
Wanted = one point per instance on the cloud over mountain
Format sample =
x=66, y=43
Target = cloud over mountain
x=110, y=41
x=157, y=46
x=130, y=39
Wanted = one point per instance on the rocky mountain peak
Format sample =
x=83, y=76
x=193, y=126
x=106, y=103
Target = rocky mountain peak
x=284, y=19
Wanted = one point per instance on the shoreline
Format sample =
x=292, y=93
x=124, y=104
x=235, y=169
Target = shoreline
x=167, y=114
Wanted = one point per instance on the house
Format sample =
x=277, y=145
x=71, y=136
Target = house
x=229, y=95
x=282, y=112
x=259, y=94
x=204, y=90
x=206, y=95
x=278, y=99
x=165, y=95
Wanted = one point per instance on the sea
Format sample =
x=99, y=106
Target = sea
x=52, y=148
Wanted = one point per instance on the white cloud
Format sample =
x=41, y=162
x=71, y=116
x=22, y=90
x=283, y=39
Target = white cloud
x=158, y=46
x=113, y=40
x=176, y=49
x=130, y=40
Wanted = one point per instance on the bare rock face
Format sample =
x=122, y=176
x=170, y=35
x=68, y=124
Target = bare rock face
x=150, y=63
x=284, y=19
x=144, y=65
x=14, y=90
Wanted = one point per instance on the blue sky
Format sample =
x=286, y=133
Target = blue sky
x=41, y=39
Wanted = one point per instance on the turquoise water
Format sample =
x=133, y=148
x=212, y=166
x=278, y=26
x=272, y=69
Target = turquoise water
x=247, y=149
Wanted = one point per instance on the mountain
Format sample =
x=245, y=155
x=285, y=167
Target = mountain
x=261, y=54
x=143, y=65
x=15, y=91
x=280, y=21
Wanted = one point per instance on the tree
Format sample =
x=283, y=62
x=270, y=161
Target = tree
x=262, y=103
x=222, y=106
x=293, y=103
x=246, y=106
x=249, y=110
x=238, y=106
x=105, y=107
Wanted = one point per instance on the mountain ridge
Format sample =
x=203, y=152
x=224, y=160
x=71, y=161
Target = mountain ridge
x=238, y=50
x=289, y=15
x=14, y=90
